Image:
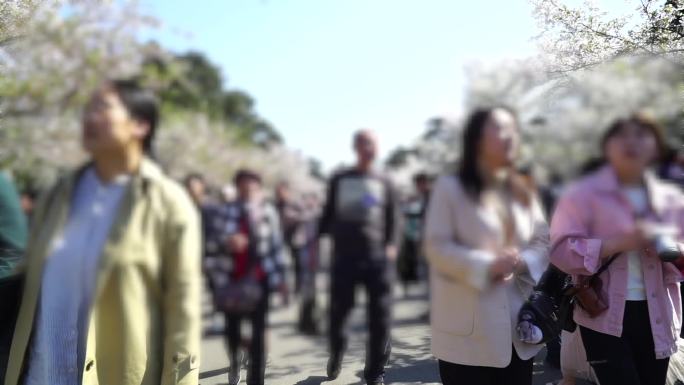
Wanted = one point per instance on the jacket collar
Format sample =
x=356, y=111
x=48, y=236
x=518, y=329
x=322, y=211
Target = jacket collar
x=148, y=172
x=606, y=181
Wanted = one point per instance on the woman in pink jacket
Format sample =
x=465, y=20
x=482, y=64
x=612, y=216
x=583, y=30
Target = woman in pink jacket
x=622, y=209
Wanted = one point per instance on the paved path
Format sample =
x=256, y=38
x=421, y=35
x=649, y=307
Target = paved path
x=297, y=360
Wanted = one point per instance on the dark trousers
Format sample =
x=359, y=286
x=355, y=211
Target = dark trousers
x=376, y=278
x=518, y=372
x=630, y=359
x=296, y=255
x=257, y=346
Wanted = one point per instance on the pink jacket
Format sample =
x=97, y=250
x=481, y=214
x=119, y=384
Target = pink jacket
x=594, y=209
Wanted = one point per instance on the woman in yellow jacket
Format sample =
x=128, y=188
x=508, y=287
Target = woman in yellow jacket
x=112, y=293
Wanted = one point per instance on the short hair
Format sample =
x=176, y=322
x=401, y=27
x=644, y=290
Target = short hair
x=644, y=120
x=422, y=177
x=359, y=134
x=244, y=174
x=141, y=104
x=193, y=176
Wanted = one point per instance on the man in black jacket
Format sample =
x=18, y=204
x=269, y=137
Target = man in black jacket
x=362, y=217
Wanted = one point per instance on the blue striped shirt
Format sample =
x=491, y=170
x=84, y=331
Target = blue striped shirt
x=68, y=284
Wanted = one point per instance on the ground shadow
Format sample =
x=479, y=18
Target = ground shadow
x=213, y=332
x=313, y=380
x=213, y=373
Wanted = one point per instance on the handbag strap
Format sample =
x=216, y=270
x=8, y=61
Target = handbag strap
x=605, y=266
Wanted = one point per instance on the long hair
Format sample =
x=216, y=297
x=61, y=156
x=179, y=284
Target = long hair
x=468, y=169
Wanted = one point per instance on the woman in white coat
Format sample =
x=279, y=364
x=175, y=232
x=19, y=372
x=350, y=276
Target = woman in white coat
x=486, y=240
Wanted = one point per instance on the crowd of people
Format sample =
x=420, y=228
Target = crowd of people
x=106, y=286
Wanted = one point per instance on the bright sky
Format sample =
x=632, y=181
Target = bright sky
x=320, y=69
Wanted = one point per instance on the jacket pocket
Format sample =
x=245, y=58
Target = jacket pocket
x=182, y=369
x=453, y=307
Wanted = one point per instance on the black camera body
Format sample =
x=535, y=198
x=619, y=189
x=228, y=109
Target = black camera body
x=666, y=248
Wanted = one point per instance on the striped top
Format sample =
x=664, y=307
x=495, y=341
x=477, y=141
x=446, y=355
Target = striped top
x=57, y=352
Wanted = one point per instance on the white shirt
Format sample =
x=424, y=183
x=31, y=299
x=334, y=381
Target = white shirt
x=68, y=284
x=636, y=291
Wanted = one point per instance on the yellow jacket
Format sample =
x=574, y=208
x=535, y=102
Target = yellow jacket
x=145, y=319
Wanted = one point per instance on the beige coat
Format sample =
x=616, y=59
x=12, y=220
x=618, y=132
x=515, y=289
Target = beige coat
x=145, y=320
x=473, y=321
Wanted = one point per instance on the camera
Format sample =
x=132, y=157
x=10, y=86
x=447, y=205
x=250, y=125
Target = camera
x=666, y=248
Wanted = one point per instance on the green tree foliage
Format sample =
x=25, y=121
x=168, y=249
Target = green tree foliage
x=53, y=53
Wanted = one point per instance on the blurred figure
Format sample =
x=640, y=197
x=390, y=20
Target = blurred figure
x=551, y=193
x=13, y=228
x=362, y=217
x=308, y=316
x=623, y=217
x=13, y=234
x=250, y=249
x=28, y=199
x=228, y=193
x=672, y=167
x=112, y=291
x=292, y=217
x=409, y=260
x=486, y=240
x=197, y=189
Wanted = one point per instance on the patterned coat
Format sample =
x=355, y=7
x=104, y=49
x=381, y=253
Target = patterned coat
x=265, y=249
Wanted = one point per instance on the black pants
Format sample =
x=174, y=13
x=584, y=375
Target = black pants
x=518, y=372
x=681, y=290
x=377, y=280
x=296, y=255
x=630, y=359
x=257, y=347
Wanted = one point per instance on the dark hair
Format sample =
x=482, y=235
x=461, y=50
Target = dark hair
x=193, y=176
x=642, y=120
x=244, y=173
x=468, y=170
x=141, y=104
x=591, y=165
x=360, y=134
x=422, y=177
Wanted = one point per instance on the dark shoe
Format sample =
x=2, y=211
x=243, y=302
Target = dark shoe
x=334, y=366
x=234, y=371
x=234, y=376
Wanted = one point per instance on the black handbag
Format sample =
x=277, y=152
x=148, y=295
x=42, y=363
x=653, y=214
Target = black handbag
x=544, y=308
x=239, y=297
x=242, y=296
x=551, y=305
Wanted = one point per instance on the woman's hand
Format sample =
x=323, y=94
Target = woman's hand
x=505, y=265
x=637, y=239
x=238, y=243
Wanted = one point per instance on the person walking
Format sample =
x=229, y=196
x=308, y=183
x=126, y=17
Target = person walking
x=250, y=249
x=623, y=218
x=361, y=214
x=486, y=241
x=410, y=259
x=112, y=293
